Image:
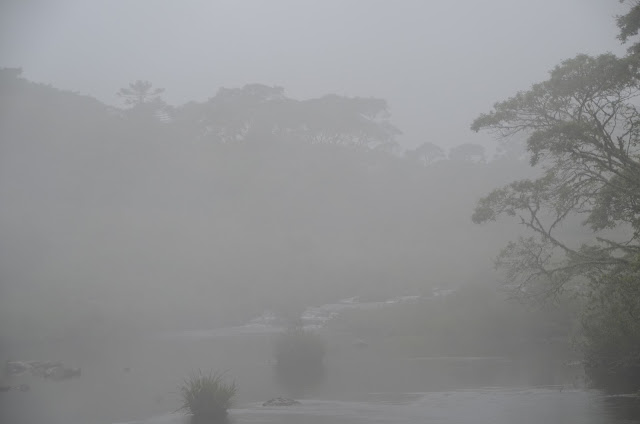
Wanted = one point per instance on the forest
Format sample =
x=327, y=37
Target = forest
x=149, y=216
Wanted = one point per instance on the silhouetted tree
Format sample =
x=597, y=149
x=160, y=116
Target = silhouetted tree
x=140, y=93
x=259, y=112
x=426, y=153
x=582, y=129
x=467, y=152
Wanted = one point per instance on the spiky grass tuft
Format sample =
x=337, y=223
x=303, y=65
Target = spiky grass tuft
x=207, y=396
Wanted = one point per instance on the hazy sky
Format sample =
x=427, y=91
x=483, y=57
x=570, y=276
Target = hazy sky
x=438, y=63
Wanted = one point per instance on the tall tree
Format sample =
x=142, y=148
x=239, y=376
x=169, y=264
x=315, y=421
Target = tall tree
x=583, y=132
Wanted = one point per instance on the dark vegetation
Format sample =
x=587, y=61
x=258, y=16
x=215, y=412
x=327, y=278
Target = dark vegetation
x=476, y=320
x=207, y=397
x=299, y=360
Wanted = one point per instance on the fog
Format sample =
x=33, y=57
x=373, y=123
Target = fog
x=437, y=63
x=291, y=164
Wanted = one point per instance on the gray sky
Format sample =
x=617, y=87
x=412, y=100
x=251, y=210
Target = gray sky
x=438, y=63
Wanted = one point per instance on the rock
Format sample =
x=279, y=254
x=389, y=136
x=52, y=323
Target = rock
x=41, y=368
x=280, y=401
x=20, y=388
x=17, y=367
x=62, y=373
x=44, y=369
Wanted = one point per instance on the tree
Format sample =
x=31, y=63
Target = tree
x=629, y=24
x=259, y=112
x=611, y=328
x=139, y=93
x=467, y=152
x=346, y=121
x=426, y=153
x=583, y=132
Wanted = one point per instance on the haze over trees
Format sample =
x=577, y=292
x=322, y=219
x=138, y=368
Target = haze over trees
x=214, y=211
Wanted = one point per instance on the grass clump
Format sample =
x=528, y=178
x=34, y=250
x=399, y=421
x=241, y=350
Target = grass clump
x=207, y=396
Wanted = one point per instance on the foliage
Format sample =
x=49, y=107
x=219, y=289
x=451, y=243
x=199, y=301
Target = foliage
x=426, y=153
x=261, y=113
x=611, y=332
x=299, y=356
x=629, y=24
x=207, y=396
x=297, y=345
x=583, y=131
x=473, y=321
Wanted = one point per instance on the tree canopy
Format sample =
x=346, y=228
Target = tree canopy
x=426, y=153
x=259, y=112
x=583, y=129
x=629, y=24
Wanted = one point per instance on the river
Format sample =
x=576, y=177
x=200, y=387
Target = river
x=135, y=380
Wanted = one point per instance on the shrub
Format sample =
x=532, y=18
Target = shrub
x=207, y=397
x=299, y=358
x=611, y=330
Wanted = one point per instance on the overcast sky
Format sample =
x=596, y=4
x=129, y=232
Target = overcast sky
x=438, y=63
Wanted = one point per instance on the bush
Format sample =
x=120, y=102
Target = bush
x=299, y=358
x=299, y=346
x=611, y=331
x=207, y=397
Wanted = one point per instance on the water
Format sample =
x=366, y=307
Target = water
x=362, y=385
x=479, y=406
x=488, y=406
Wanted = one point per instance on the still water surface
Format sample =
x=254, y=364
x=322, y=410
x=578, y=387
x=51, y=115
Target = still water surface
x=136, y=380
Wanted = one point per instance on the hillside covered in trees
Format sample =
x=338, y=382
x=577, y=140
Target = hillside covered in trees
x=170, y=214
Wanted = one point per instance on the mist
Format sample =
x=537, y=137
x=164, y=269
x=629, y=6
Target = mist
x=282, y=193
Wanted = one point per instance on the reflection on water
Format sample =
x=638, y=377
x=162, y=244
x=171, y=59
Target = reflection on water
x=489, y=406
x=624, y=408
x=345, y=401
